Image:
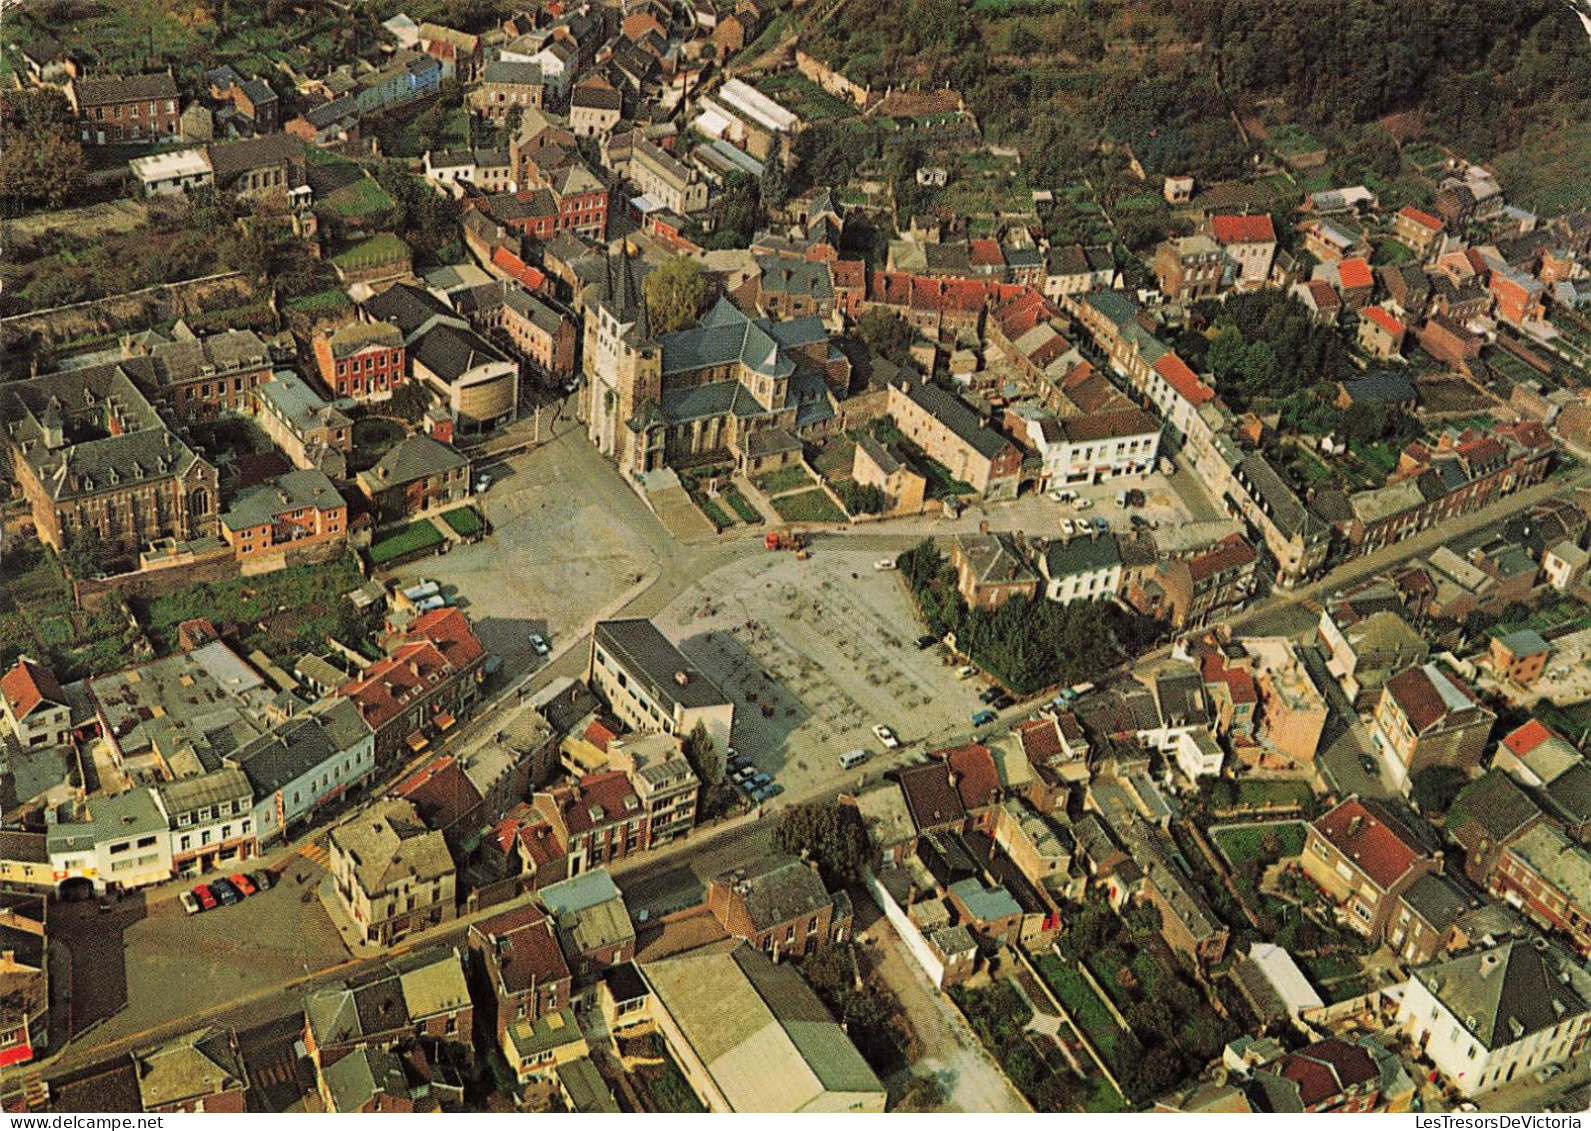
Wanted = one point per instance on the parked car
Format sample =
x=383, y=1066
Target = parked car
x=539, y=643
x=1369, y=765
x=262, y=880
x=886, y=736
x=983, y=717
x=1001, y=702
x=431, y=604
x=190, y=902
x=884, y=563
x=244, y=885
x=760, y=780
x=1068, y=527
x=742, y=774
x=206, y=898
x=225, y=893
x=966, y=671
x=772, y=791
x=990, y=694
x=1084, y=504
x=926, y=641
x=1101, y=526
x=1063, y=496
x=482, y=481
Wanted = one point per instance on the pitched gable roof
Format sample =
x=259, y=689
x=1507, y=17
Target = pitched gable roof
x=1367, y=835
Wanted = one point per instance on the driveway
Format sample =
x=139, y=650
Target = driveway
x=950, y=1049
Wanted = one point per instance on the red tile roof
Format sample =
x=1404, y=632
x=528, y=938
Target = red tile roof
x=1526, y=738
x=1232, y=552
x=1041, y=740
x=539, y=843
x=1184, y=380
x=523, y=948
x=1326, y=1069
x=450, y=631
x=600, y=800
x=930, y=798
x=1243, y=229
x=851, y=273
x=1424, y=219
x=976, y=778
x=1380, y=849
x=1418, y=697
x=1239, y=683
x=1354, y=273
x=599, y=734
x=27, y=685
x=1325, y=298
x=441, y=791
x=985, y=253
x=1381, y=318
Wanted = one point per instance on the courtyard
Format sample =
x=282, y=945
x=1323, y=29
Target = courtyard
x=814, y=654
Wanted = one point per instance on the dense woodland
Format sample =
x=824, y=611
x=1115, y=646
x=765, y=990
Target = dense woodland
x=1075, y=82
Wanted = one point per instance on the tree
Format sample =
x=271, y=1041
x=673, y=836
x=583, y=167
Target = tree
x=41, y=162
x=676, y=295
x=86, y=554
x=923, y=1093
x=886, y=334
x=704, y=756
x=830, y=834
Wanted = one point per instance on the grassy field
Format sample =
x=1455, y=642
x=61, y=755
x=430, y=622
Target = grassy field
x=785, y=479
x=410, y=539
x=742, y=506
x=465, y=521
x=1246, y=845
x=39, y=618
x=1547, y=172
x=800, y=95
x=1087, y=1011
x=808, y=506
x=284, y=613
x=359, y=201
x=383, y=247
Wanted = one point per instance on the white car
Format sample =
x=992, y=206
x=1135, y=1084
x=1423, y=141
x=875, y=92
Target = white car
x=884, y=563
x=966, y=671
x=1059, y=496
x=482, y=481
x=1068, y=527
x=886, y=736
x=1084, y=504
x=189, y=902
x=539, y=643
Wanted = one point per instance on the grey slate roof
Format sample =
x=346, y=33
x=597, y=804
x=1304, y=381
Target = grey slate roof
x=1072, y=556
x=451, y=352
x=955, y=415
x=286, y=754
x=299, y=489
x=417, y=457
x=778, y=889
x=524, y=74
x=652, y=659
x=1504, y=993
x=134, y=88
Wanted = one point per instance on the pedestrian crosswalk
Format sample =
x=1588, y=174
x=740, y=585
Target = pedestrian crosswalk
x=314, y=853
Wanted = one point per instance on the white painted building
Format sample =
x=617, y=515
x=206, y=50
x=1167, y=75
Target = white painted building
x=1197, y=753
x=1486, y=1018
x=1092, y=449
x=172, y=174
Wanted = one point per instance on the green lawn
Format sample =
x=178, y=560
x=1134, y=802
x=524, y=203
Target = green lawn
x=742, y=506
x=1087, y=1011
x=410, y=539
x=383, y=247
x=465, y=521
x=360, y=200
x=327, y=301
x=1254, y=844
x=283, y=612
x=808, y=506
x=785, y=479
x=1389, y=253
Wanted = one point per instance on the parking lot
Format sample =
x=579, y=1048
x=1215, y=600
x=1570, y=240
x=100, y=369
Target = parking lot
x=570, y=538
x=814, y=654
x=139, y=964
